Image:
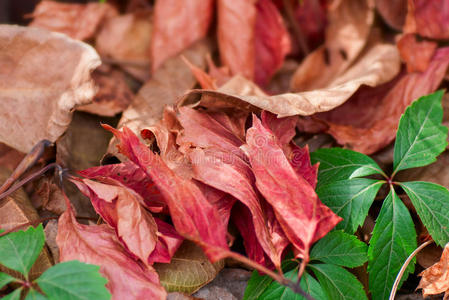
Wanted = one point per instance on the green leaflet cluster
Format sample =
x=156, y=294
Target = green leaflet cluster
x=67, y=280
x=420, y=139
x=328, y=257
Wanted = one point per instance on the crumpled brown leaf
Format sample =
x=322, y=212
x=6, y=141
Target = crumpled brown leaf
x=189, y=22
x=37, y=104
x=346, y=35
x=78, y=21
x=126, y=40
x=379, y=65
x=435, y=279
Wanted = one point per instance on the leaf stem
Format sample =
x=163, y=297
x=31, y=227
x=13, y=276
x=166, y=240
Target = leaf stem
x=404, y=267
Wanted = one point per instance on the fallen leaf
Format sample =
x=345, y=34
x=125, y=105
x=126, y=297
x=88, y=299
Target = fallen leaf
x=99, y=245
x=301, y=214
x=312, y=20
x=416, y=55
x=379, y=65
x=435, y=279
x=126, y=40
x=189, y=270
x=78, y=21
x=9, y=157
x=346, y=35
x=393, y=12
x=428, y=18
x=113, y=95
x=189, y=22
x=38, y=105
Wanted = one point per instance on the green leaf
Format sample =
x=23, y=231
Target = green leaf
x=14, y=295
x=350, y=199
x=73, y=280
x=393, y=240
x=5, y=279
x=431, y=202
x=340, y=164
x=338, y=283
x=341, y=249
x=35, y=295
x=19, y=250
x=420, y=137
x=276, y=291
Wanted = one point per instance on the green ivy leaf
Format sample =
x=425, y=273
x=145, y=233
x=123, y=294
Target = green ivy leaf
x=340, y=164
x=420, y=137
x=338, y=283
x=5, y=279
x=341, y=249
x=19, y=250
x=350, y=199
x=431, y=202
x=35, y=295
x=14, y=295
x=276, y=291
x=393, y=240
x=73, y=280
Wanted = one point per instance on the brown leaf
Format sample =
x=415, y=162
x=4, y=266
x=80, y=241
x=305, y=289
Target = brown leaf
x=380, y=64
x=415, y=54
x=9, y=157
x=44, y=76
x=99, y=245
x=126, y=39
x=78, y=21
x=189, y=270
x=189, y=22
x=435, y=280
x=113, y=95
x=393, y=12
x=17, y=211
x=346, y=35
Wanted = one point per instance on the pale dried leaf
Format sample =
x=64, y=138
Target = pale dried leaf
x=188, y=271
x=435, y=280
x=43, y=77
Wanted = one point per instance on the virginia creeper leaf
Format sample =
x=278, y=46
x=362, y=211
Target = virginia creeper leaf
x=340, y=248
x=14, y=295
x=350, y=199
x=393, y=239
x=257, y=284
x=19, y=250
x=5, y=279
x=431, y=202
x=73, y=280
x=420, y=137
x=35, y=295
x=338, y=283
x=339, y=164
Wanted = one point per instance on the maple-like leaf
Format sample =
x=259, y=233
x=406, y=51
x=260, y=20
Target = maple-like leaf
x=301, y=214
x=189, y=22
x=99, y=245
x=192, y=214
x=435, y=279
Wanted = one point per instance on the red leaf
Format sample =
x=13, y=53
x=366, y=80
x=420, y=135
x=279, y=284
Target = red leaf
x=133, y=177
x=428, y=18
x=301, y=214
x=168, y=242
x=417, y=55
x=188, y=22
x=192, y=214
x=311, y=16
x=99, y=245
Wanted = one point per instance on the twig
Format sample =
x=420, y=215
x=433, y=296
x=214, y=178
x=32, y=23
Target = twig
x=404, y=267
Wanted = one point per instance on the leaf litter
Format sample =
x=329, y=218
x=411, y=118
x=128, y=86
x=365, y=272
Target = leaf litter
x=222, y=169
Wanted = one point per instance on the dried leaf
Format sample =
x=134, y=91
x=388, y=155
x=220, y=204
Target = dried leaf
x=346, y=35
x=393, y=12
x=78, y=21
x=45, y=98
x=417, y=55
x=189, y=270
x=380, y=64
x=301, y=214
x=435, y=279
x=312, y=20
x=99, y=245
x=189, y=22
x=126, y=39
x=428, y=18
